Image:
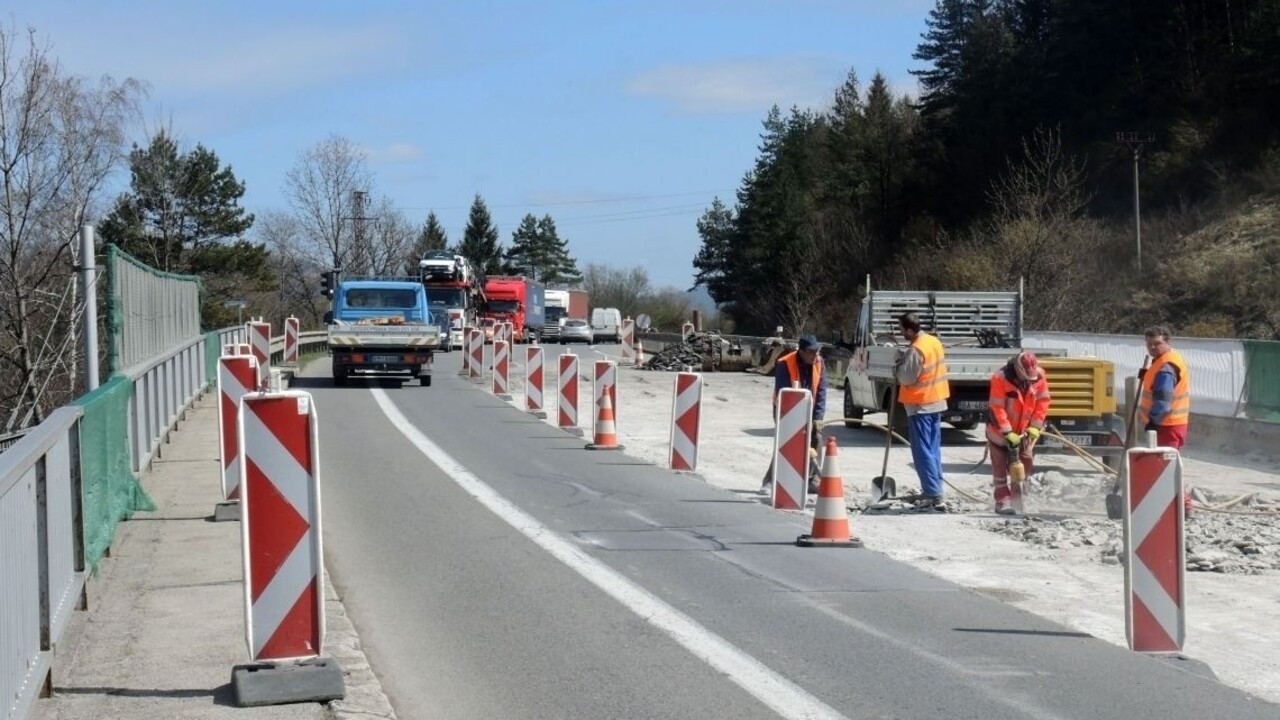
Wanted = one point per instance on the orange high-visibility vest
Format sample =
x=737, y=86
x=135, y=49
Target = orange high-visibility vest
x=932, y=385
x=1180, y=405
x=1012, y=410
x=792, y=362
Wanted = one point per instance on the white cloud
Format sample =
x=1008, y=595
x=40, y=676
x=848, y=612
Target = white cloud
x=396, y=153
x=740, y=85
x=249, y=61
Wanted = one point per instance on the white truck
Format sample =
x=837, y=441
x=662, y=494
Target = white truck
x=980, y=331
x=557, y=309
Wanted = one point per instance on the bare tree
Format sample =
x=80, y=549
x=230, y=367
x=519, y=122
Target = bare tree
x=612, y=287
x=319, y=187
x=297, y=271
x=393, y=237
x=60, y=137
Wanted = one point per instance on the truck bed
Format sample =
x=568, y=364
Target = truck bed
x=964, y=364
x=383, y=336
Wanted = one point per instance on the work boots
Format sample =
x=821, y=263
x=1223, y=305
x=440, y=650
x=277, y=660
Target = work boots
x=1004, y=499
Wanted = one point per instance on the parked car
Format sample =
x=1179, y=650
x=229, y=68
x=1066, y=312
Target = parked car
x=575, y=331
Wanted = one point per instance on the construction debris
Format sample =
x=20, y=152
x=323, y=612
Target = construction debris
x=1242, y=539
x=706, y=352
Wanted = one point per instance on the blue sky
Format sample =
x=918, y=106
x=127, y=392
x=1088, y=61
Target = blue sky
x=620, y=119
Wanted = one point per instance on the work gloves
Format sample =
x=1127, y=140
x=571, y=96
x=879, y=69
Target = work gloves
x=1034, y=433
x=1013, y=438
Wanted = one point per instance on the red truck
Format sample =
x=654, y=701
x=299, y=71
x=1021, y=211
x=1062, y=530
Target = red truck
x=518, y=300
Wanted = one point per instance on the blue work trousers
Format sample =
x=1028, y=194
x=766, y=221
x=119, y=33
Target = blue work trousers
x=925, y=430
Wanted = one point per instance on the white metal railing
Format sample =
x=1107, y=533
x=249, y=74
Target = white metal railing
x=42, y=566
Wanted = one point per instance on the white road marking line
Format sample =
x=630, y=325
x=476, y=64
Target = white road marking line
x=781, y=695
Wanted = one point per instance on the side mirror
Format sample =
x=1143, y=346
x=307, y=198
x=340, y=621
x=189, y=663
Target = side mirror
x=328, y=317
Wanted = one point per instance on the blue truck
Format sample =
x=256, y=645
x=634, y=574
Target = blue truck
x=382, y=328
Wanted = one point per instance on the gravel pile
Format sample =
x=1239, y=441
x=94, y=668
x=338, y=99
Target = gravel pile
x=676, y=358
x=1245, y=540
x=699, y=351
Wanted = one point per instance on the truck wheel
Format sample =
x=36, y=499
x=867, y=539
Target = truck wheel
x=339, y=376
x=851, y=412
x=424, y=380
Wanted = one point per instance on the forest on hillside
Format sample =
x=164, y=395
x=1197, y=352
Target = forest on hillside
x=1017, y=160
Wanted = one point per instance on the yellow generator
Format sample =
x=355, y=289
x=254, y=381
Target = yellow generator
x=1084, y=405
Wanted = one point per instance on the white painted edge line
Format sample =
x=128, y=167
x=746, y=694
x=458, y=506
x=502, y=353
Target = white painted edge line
x=778, y=693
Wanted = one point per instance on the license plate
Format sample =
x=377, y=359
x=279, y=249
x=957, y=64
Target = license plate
x=973, y=405
x=384, y=358
x=1081, y=440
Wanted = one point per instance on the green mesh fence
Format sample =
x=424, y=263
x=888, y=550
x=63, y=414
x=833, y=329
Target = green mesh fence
x=1262, y=380
x=212, y=349
x=110, y=490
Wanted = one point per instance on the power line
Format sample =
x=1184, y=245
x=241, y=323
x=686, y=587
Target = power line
x=562, y=203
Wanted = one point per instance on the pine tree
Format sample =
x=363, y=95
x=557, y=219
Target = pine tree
x=525, y=255
x=560, y=266
x=182, y=214
x=480, y=243
x=715, y=261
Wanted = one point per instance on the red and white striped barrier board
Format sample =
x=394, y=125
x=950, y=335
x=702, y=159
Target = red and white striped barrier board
x=509, y=333
x=605, y=378
x=280, y=526
x=260, y=342
x=686, y=330
x=533, y=361
x=791, y=449
x=291, y=341
x=475, y=348
x=628, y=342
x=1155, y=542
x=465, y=367
x=686, y=421
x=501, y=368
x=237, y=349
x=567, y=392
x=237, y=377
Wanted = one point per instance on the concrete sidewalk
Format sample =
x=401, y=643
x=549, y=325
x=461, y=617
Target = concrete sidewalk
x=166, y=625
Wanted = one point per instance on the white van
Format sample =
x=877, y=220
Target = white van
x=606, y=324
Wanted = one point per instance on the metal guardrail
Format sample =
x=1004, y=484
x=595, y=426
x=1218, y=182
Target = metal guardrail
x=163, y=388
x=42, y=565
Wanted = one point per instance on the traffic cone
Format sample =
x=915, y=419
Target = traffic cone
x=639, y=352
x=830, y=517
x=606, y=433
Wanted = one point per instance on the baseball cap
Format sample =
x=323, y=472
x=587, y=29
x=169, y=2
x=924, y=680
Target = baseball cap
x=809, y=342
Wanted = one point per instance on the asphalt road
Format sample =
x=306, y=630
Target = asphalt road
x=496, y=569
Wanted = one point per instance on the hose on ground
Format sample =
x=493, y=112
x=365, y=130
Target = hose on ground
x=1221, y=508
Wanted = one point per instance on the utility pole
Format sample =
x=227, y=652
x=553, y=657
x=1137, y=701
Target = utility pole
x=360, y=257
x=1136, y=141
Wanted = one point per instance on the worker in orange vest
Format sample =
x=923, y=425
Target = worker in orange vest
x=923, y=391
x=802, y=368
x=1165, y=403
x=1019, y=404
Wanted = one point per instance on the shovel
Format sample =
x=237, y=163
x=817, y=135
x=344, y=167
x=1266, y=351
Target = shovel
x=1115, y=499
x=884, y=487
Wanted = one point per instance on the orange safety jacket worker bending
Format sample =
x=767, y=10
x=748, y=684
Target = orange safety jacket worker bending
x=792, y=362
x=1014, y=408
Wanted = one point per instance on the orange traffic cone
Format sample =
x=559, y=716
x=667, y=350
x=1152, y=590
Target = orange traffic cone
x=606, y=433
x=639, y=352
x=830, y=517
